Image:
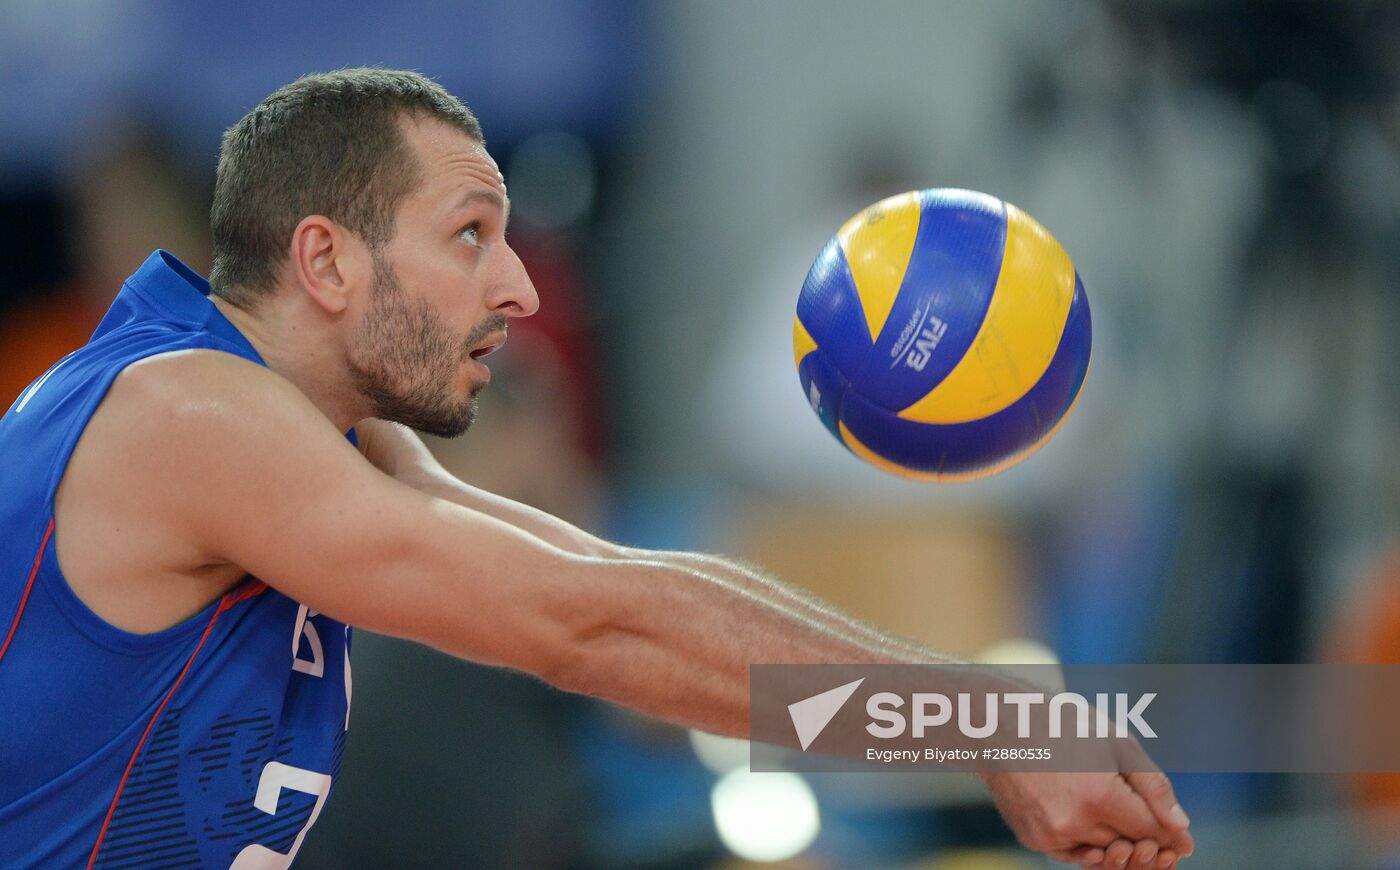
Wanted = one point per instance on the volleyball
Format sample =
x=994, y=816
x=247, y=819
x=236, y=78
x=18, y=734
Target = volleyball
x=942, y=335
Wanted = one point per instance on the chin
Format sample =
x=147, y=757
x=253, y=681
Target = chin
x=443, y=419
x=457, y=423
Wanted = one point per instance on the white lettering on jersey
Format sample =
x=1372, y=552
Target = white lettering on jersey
x=316, y=665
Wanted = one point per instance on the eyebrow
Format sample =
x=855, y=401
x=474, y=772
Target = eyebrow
x=472, y=197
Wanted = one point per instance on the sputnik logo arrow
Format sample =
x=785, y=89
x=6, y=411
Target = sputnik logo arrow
x=811, y=715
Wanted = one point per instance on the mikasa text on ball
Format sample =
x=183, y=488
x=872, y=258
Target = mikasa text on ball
x=942, y=335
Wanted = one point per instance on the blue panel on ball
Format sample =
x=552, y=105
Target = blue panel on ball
x=824, y=388
x=830, y=309
x=947, y=288
x=968, y=447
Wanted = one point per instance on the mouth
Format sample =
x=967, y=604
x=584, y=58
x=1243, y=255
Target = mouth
x=490, y=345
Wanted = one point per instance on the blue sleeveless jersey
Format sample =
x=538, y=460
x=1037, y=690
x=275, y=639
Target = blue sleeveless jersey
x=211, y=744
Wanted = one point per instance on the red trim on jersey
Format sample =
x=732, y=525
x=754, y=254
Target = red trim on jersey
x=252, y=589
x=24, y=596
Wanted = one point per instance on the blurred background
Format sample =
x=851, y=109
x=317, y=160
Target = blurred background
x=1225, y=174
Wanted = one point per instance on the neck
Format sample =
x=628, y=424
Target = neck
x=302, y=350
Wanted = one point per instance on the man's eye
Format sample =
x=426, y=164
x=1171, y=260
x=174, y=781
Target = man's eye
x=470, y=233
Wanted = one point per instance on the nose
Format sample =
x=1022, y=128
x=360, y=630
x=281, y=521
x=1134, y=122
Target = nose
x=514, y=294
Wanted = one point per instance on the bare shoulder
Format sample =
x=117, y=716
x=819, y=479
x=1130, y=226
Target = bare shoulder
x=205, y=425
x=149, y=474
x=200, y=387
x=188, y=419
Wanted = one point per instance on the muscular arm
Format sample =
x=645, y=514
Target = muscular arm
x=233, y=460
x=399, y=452
x=684, y=626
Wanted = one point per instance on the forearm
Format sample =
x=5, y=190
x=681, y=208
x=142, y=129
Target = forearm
x=737, y=575
x=741, y=576
x=531, y=520
x=398, y=452
x=732, y=577
x=801, y=602
x=679, y=640
x=677, y=643
x=731, y=598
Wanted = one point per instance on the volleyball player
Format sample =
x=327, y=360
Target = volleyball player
x=199, y=502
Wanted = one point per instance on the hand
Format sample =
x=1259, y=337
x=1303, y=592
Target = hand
x=1093, y=818
x=1121, y=854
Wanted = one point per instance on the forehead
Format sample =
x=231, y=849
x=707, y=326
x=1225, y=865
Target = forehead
x=451, y=161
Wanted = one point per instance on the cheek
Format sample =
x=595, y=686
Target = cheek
x=448, y=278
x=457, y=293
x=429, y=278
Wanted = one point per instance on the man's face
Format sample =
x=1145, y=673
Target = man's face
x=445, y=288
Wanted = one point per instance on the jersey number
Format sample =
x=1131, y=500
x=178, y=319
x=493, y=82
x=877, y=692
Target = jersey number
x=275, y=777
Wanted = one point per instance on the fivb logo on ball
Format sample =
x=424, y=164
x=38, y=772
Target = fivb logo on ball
x=929, y=330
x=932, y=710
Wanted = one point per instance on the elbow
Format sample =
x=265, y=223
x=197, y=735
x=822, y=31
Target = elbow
x=596, y=663
x=569, y=663
x=592, y=636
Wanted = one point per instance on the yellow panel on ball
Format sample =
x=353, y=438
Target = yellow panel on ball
x=877, y=244
x=1019, y=334
x=802, y=341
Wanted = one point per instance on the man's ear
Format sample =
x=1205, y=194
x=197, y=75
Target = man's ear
x=328, y=261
